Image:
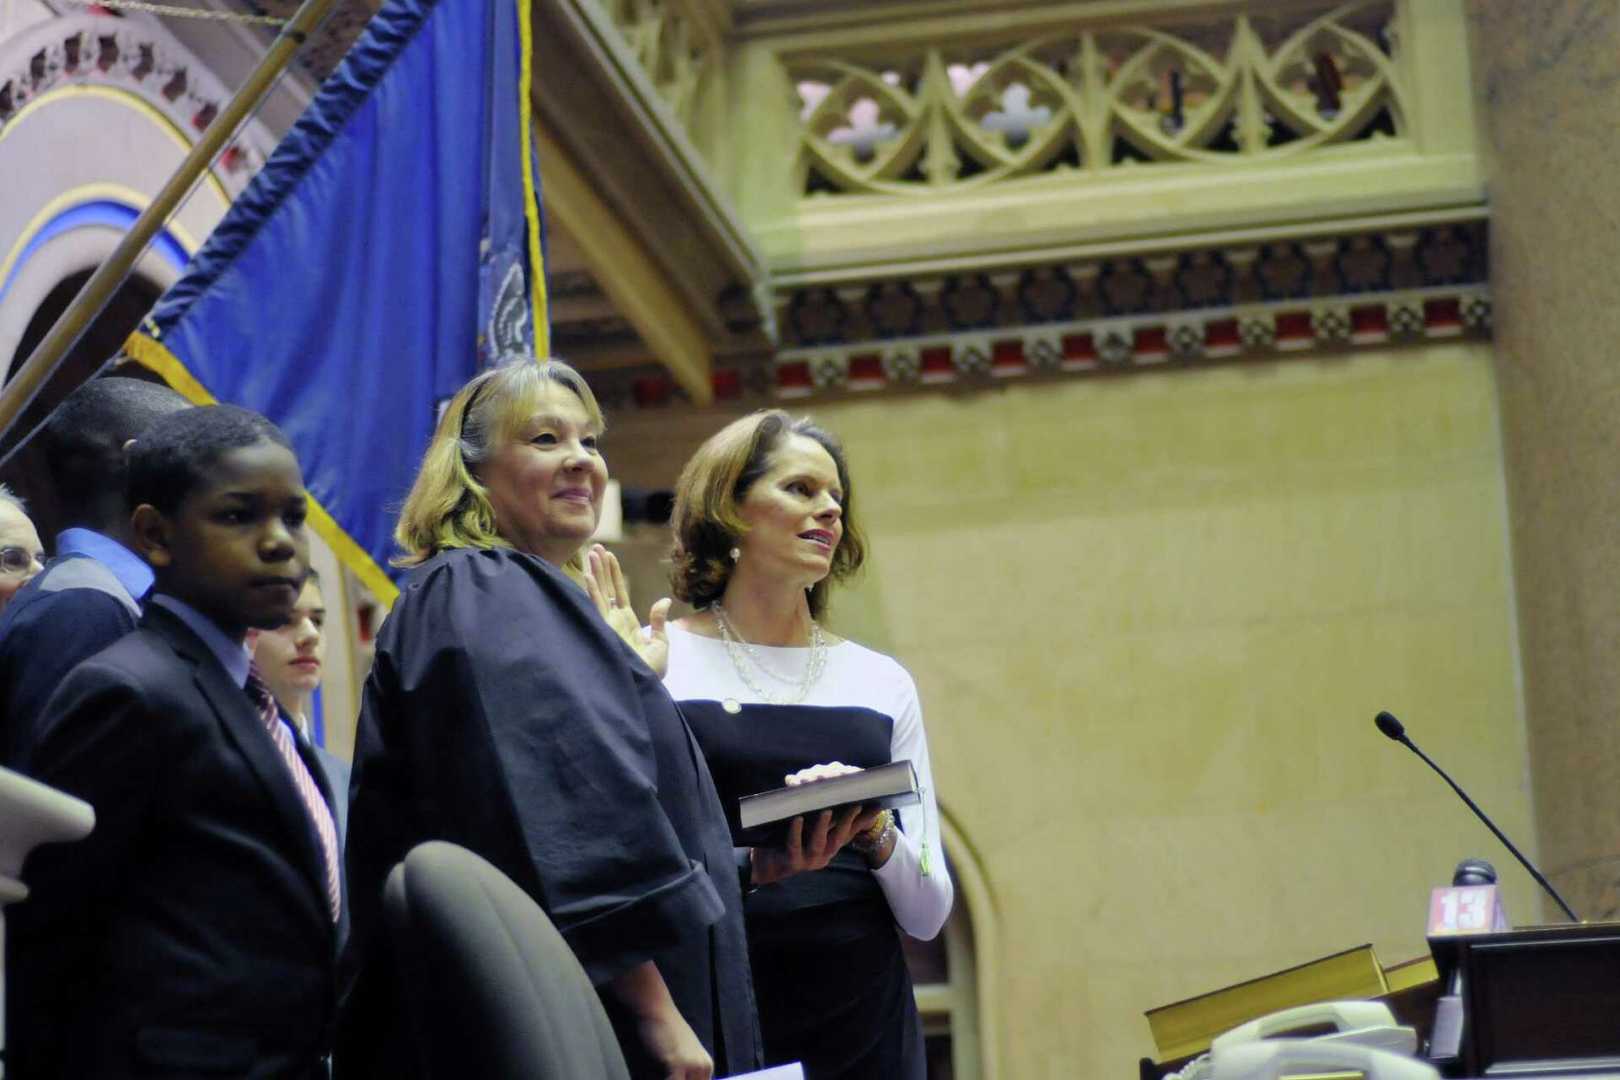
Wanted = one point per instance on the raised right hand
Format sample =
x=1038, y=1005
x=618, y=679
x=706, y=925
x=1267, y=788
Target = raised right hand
x=605, y=585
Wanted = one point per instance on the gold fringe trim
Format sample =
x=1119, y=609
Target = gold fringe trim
x=531, y=200
x=154, y=355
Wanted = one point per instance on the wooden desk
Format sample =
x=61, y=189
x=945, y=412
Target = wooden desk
x=1412, y=1004
x=1538, y=1002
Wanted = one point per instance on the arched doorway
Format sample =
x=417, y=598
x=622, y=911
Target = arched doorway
x=25, y=472
x=955, y=973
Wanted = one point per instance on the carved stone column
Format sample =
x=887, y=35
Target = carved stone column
x=1548, y=85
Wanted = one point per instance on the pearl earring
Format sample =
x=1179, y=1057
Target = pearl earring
x=735, y=553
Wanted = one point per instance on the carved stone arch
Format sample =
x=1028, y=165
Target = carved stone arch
x=137, y=55
x=971, y=940
x=96, y=112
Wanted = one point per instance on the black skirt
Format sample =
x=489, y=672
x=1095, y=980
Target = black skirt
x=830, y=977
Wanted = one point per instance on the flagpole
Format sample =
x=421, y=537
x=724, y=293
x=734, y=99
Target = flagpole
x=70, y=326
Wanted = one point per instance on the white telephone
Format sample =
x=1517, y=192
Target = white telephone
x=1292, y=1057
x=1363, y=1037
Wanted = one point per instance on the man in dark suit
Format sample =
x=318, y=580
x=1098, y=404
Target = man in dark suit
x=195, y=930
x=87, y=597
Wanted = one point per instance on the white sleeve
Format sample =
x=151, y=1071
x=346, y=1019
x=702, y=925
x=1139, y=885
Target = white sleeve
x=920, y=902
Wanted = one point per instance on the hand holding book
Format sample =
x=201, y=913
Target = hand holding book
x=820, y=772
x=811, y=839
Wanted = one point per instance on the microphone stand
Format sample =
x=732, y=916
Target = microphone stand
x=1400, y=736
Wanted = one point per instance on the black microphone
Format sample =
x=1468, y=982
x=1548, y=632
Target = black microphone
x=1394, y=729
x=1474, y=872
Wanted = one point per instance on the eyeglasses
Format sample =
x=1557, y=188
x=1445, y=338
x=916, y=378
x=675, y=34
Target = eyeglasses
x=18, y=560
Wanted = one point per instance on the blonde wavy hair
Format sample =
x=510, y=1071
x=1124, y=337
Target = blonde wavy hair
x=448, y=506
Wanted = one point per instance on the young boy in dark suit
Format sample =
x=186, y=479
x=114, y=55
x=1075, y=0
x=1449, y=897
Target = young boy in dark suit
x=195, y=931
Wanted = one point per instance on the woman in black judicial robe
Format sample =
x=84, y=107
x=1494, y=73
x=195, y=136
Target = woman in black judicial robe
x=504, y=714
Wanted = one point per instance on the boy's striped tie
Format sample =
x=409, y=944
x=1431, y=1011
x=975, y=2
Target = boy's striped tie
x=320, y=814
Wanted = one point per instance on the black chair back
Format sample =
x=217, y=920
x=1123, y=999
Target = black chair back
x=491, y=988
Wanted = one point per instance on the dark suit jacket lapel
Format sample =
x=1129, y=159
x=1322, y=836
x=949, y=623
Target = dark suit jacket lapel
x=244, y=729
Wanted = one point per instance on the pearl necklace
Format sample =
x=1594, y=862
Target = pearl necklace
x=743, y=654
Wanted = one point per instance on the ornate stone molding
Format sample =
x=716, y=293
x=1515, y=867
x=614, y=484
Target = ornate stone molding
x=133, y=54
x=1246, y=87
x=1251, y=331
x=1117, y=314
x=1254, y=303
x=656, y=230
x=1312, y=269
x=593, y=91
x=680, y=44
x=1016, y=135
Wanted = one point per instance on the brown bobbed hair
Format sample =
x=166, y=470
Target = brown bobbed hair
x=448, y=506
x=707, y=520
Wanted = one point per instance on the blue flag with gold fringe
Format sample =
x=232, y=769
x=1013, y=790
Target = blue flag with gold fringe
x=389, y=248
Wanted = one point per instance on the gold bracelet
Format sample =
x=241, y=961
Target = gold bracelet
x=872, y=838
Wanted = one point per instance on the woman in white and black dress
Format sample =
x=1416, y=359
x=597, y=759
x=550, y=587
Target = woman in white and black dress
x=763, y=527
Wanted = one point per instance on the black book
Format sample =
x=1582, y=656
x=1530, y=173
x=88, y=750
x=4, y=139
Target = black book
x=765, y=817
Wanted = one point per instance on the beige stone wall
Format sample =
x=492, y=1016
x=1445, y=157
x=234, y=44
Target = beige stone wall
x=1152, y=618
x=1549, y=82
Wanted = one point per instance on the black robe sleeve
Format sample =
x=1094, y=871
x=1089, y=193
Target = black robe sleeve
x=501, y=714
